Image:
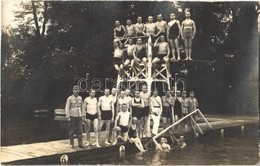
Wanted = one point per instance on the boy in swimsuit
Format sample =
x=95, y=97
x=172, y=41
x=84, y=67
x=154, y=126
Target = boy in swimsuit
x=173, y=35
x=121, y=124
x=188, y=31
x=91, y=108
x=132, y=135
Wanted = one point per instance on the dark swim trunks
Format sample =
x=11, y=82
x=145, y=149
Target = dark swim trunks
x=106, y=115
x=123, y=128
x=91, y=117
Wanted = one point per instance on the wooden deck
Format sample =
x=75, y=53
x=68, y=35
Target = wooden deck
x=19, y=154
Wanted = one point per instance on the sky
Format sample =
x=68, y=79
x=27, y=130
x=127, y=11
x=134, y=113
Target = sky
x=8, y=6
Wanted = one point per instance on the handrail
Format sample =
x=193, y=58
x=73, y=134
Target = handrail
x=136, y=37
x=174, y=124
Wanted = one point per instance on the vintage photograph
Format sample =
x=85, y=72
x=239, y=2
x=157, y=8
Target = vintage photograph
x=129, y=82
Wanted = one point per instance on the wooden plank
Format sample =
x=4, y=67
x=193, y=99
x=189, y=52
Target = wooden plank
x=36, y=150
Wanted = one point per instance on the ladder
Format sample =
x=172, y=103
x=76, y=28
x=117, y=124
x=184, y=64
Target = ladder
x=181, y=120
x=147, y=74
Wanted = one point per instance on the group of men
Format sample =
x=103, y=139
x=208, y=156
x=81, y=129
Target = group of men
x=124, y=114
x=133, y=53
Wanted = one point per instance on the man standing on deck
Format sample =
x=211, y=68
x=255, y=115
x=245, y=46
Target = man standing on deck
x=75, y=113
x=114, y=99
x=137, y=109
x=146, y=111
x=168, y=103
x=156, y=110
x=106, y=112
x=91, y=108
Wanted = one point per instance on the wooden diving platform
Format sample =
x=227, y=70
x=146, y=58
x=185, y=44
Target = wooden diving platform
x=50, y=152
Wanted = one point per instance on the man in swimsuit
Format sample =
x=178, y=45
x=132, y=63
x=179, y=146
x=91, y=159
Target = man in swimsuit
x=139, y=27
x=128, y=99
x=178, y=106
x=75, y=113
x=106, y=112
x=122, y=100
x=130, y=29
x=114, y=99
x=168, y=103
x=161, y=25
x=173, y=35
x=185, y=105
x=130, y=51
x=193, y=102
x=119, y=31
x=91, y=108
x=150, y=28
x=156, y=110
x=140, y=54
x=163, y=52
x=121, y=124
x=118, y=58
x=146, y=110
x=188, y=31
x=137, y=108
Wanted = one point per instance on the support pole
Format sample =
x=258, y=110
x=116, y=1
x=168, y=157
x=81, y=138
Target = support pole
x=201, y=132
x=205, y=119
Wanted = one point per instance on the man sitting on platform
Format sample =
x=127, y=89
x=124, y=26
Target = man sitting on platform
x=140, y=53
x=163, y=52
x=130, y=51
x=118, y=58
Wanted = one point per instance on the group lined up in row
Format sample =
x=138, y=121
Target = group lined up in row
x=135, y=53
x=129, y=115
x=172, y=30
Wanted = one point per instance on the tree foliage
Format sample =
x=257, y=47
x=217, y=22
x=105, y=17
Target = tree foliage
x=57, y=43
